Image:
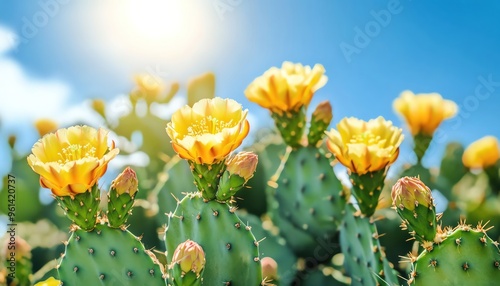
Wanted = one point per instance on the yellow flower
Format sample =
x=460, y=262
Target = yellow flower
x=49, y=282
x=207, y=132
x=288, y=88
x=424, y=112
x=70, y=161
x=482, y=153
x=365, y=146
x=45, y=125
x=148, y=87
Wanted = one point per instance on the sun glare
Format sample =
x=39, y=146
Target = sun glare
x=158, y=20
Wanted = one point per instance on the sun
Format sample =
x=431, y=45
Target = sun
x=158, y=20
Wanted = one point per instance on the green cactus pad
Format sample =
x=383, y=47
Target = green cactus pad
x=307, y=197
x=206, y=178
x=467, y=256
x=273, y=246
x=108, y=256
x=364, y=259
x=231, y=250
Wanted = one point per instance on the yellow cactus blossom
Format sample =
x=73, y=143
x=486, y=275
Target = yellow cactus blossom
x=45, y=125
x=424, y=112
x=49, y=282
x=148, y=87
x=70, y=161
x=207, y=132
x=288, y=88
x=482, y=153
x=365, y=146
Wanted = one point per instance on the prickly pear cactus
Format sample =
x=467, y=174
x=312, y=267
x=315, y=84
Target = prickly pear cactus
x=466, y=256
x=307, y=197
x=231, y=250
x=108, y=256
x=364, y=258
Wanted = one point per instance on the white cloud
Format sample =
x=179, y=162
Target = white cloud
x=25, y=98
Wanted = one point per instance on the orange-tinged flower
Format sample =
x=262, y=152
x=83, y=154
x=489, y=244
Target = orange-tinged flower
x=209, y=131
x=482, y=153
x=70, y=161
x=45, y=125
x=424, y=112
x=365, y=146
x=49, y=282
x=288, y=88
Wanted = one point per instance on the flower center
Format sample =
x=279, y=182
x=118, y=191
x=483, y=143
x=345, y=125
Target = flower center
x=366, y=138
x=209, y=125
x=76, y=151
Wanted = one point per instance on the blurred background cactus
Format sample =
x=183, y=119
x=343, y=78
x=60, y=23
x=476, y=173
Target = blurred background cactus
x=275, y=213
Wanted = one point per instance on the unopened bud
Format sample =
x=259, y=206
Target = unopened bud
x=413, y=201
x=190, y=257
x=323, y=112
x=99, y=106
x=269, y=268
x=12, y=141
x=45, y=126
x=410, y=192
x=243, y=164
x=320, y=120
x=126, y=182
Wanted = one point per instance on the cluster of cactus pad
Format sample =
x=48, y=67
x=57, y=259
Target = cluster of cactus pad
x=293, y=223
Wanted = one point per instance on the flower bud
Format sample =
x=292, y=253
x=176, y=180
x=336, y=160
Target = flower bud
x=126, y=182
x=99, y=106
x=45, y=126
x=323, y=112
x=243, y=164
x=190, y=256
x=269, y=268
x=410, y=192
x=413, y=201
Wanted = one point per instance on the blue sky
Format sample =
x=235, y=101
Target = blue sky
x=55, y=54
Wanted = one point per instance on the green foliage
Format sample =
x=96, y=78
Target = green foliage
x=108, y=256
x=307, y=199
x=467, y=256
x=227, y=241
x=364, y=257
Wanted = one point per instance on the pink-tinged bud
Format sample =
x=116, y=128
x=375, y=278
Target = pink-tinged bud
x=243, y=164
x=126, y=182
x=190, y=256
x=413, y=201
x=269, y=268
x=323, y=112
x=409, y=192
